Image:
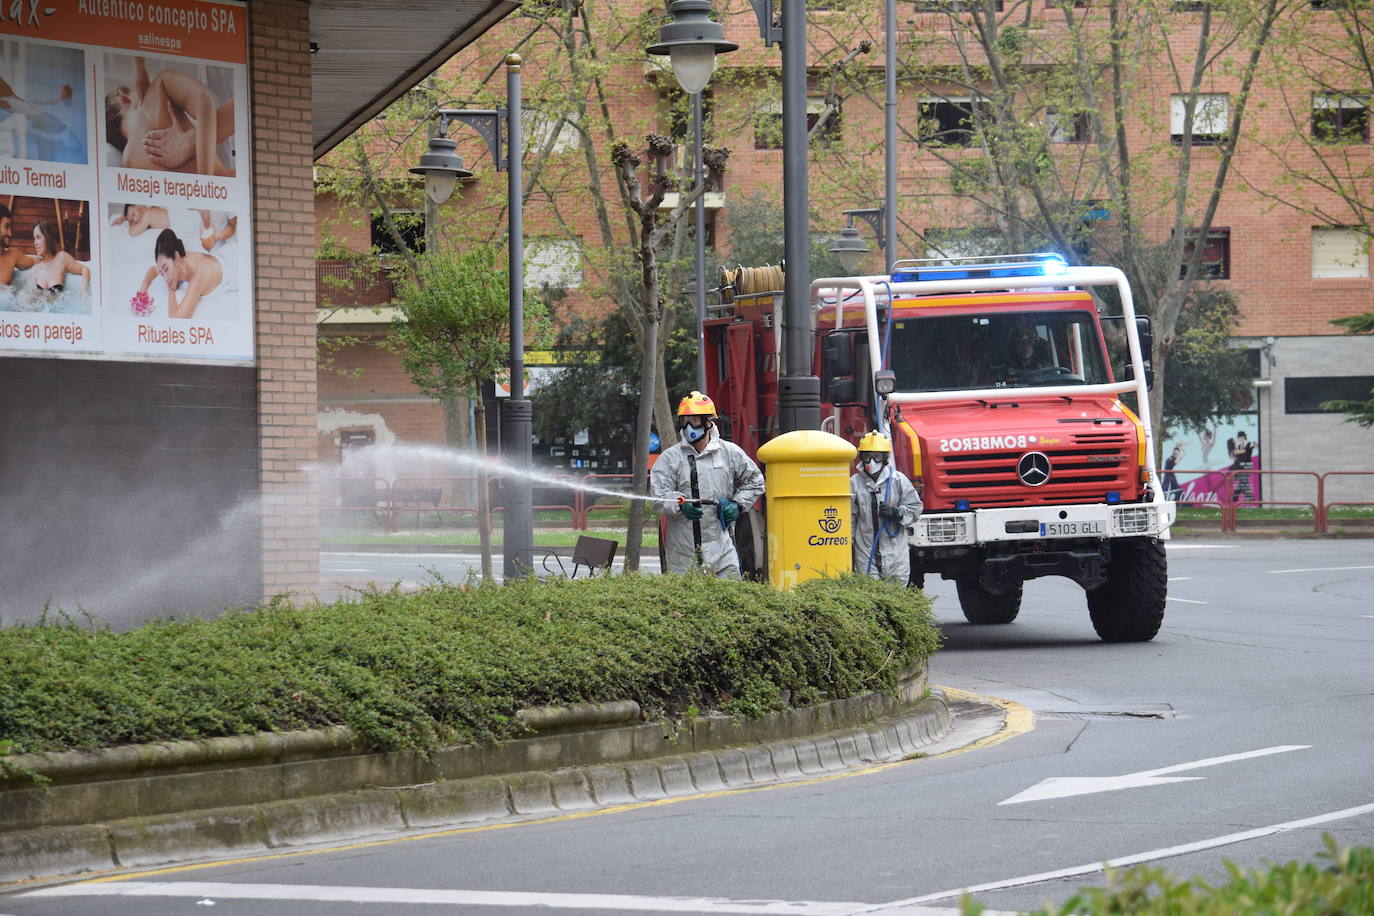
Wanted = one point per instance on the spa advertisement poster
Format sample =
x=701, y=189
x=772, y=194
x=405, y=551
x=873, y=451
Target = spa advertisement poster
x=125, y=193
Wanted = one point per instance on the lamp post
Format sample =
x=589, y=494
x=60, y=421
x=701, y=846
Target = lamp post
x=442, y=168
x=692, y=40
x=850, y=247
x=799, y=392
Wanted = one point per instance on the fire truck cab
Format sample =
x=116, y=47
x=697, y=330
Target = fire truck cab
x=992, y=378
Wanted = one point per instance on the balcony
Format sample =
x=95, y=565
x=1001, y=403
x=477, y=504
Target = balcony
x=346, y=283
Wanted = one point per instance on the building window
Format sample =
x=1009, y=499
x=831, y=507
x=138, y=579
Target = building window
x=680, y=126
x=1211, y=117
x=951, y=6
x=1306, y=395
x=410, y=225
x=1067, y=127
x=553, y=262
x=1340, y=117
x=1216, y=254
x=1338, y=251
x=538, y=128
x=951, y=122
x=952, y=243
x=768, y=124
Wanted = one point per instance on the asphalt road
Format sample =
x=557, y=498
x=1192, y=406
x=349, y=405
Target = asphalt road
x=1244, y=731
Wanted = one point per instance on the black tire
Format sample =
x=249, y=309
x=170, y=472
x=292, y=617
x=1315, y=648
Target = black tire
x=749, y=565
x=983, y=607
x=1129, y=606
x=916, y=579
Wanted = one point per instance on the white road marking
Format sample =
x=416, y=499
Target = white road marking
x=1174, y=545
x=1186, y=600
x=405, y=895
x=1275, y=572
x=1180, y=578
x=1136, y=859
x=1066, y=786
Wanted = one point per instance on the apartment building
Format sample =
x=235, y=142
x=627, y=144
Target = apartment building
x=1006, y=141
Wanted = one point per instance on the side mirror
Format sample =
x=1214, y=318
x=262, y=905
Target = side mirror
x=845, y=376
x=838, y=359
x=1147, y=337
x=1147, y=347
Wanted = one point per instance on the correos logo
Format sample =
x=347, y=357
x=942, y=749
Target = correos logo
x=830, y=522
x=980, y=443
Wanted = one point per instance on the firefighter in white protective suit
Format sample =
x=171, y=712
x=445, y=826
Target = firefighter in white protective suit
x=701, y=485
x=885, y=505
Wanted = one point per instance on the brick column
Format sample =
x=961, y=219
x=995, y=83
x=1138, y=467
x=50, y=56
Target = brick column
x=284, y=272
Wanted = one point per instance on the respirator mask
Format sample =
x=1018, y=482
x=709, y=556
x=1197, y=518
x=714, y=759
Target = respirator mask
x=873, y=463
x=694, y=429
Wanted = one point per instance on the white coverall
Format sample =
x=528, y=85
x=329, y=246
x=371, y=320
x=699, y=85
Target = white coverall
x=722, y=470
x=894, y=488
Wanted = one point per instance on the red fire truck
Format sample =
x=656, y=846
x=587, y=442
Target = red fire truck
x=992, y=378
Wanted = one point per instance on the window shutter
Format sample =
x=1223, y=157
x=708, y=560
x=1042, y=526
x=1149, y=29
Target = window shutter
x=1338, y=252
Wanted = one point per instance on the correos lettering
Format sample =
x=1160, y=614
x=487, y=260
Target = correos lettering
x=817, y=541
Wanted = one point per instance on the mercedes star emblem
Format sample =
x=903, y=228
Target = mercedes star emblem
x=1033, y=468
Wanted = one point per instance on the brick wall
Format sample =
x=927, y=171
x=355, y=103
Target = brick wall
x=285, y=290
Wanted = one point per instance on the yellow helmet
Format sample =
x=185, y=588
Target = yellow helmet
x=875, y=442
x=696, y=404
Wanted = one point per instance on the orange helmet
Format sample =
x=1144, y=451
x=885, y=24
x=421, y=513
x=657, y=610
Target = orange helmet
x=696, y=404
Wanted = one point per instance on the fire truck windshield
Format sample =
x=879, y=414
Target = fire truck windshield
x=996, y=350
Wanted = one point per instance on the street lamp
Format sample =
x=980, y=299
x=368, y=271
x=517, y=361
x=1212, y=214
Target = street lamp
x=442, y=168
x=850, y=247
x=692, y=40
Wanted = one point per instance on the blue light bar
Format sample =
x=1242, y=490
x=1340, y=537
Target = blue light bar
x=1113, y=497
x=961, y=505
x=1042, y=266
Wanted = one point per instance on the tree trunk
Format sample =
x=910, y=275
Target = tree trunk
x=483, y=491
x=634, y=535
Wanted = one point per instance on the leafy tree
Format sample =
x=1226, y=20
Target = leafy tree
x=1322, y=72
x=653, y=228
x=453, y=334
x=598, y=388
x=1361, y=412
x=998, y=97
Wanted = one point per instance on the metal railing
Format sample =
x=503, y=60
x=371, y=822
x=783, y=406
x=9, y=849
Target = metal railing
x=1232, y=491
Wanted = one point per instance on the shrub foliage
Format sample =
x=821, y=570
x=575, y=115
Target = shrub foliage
x=1340, y=883
x=453, y=664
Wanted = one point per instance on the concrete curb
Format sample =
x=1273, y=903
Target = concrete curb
x=108, y=810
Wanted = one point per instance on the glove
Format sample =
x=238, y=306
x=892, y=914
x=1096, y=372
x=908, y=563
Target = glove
x=691, y=511
x=889, y=511
x=727, y=510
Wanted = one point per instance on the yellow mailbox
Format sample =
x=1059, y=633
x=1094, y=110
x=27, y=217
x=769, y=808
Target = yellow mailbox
x=809, y=512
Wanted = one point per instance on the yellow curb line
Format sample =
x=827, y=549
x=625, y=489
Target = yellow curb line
x=1018, y=720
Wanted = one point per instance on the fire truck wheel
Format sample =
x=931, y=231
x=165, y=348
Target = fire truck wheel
x=983, y=607
x=744, y=549
x=1129, y=606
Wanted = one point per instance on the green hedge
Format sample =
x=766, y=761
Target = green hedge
x=452, y=664
x=1341, y=883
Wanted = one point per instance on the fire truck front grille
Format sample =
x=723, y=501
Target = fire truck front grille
x=1081, y=469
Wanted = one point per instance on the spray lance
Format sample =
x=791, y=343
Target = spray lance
x=706, y=501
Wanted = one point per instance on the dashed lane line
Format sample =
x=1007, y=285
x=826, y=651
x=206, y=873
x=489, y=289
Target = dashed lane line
x=1275, y=572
